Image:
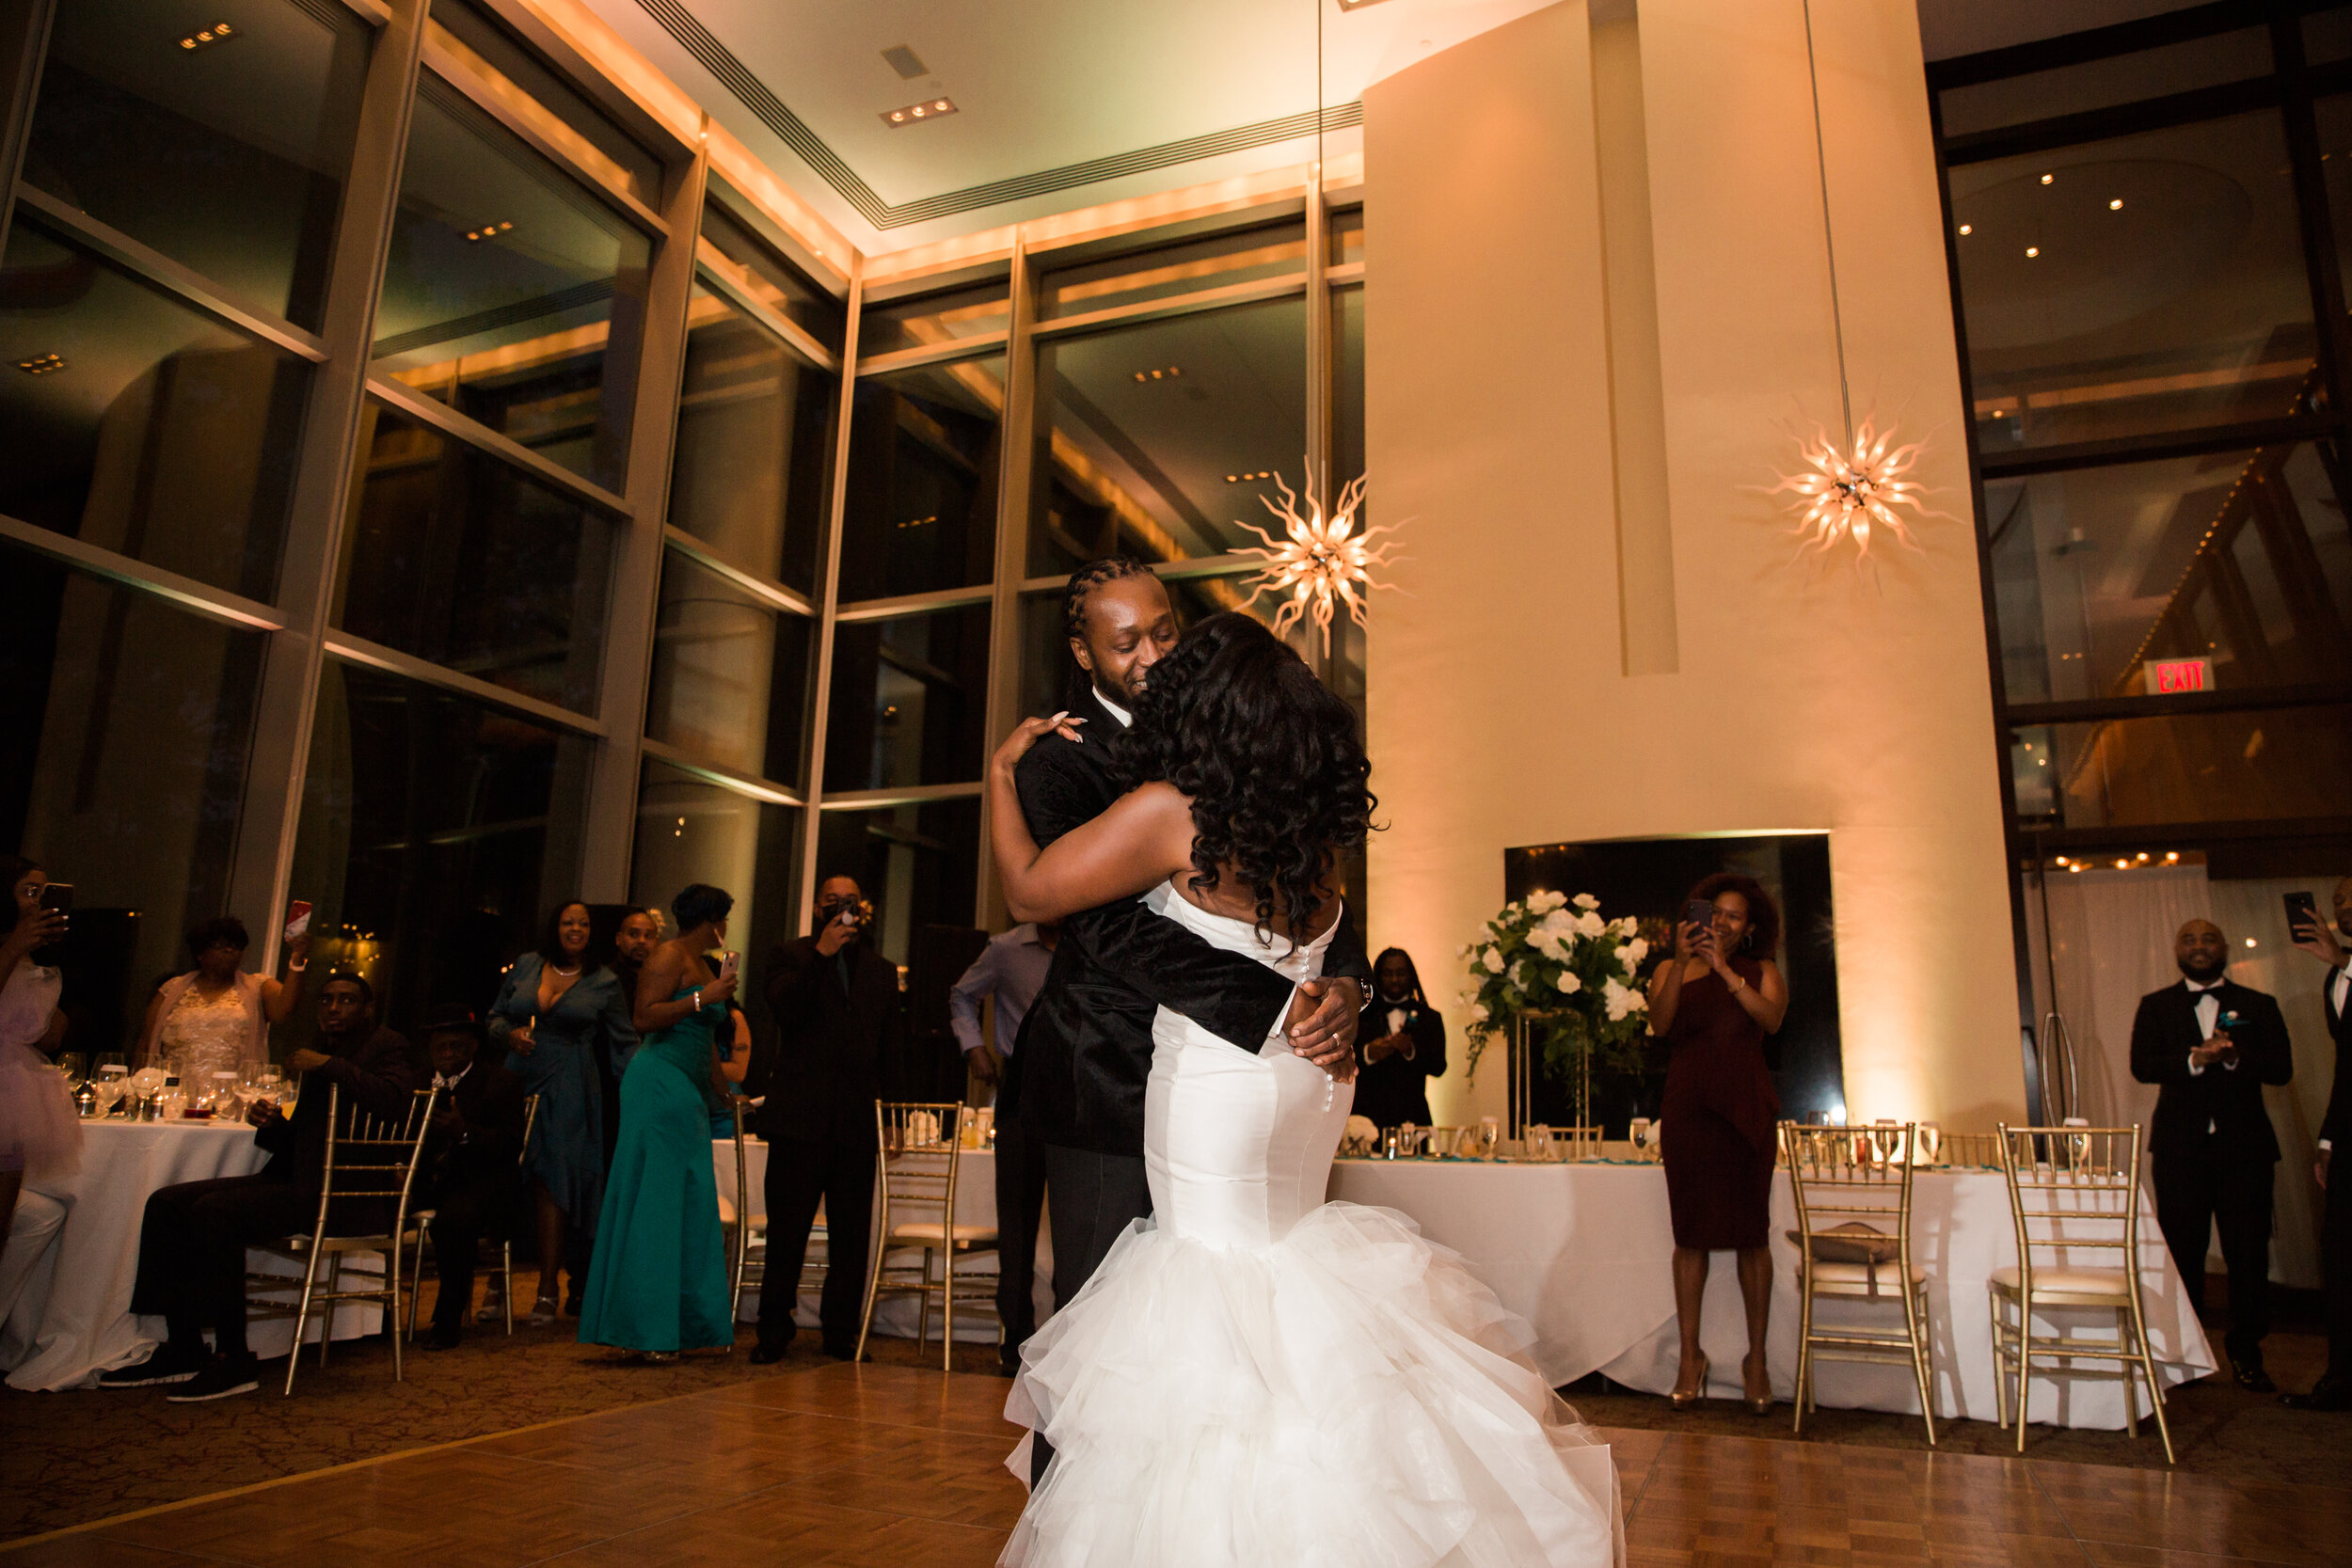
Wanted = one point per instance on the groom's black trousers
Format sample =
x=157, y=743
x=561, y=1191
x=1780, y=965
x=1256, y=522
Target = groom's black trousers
x=1095, y=1198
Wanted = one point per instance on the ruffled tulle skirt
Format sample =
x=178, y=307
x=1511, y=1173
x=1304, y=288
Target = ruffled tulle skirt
x=1349, y=1395
x=40, y=1134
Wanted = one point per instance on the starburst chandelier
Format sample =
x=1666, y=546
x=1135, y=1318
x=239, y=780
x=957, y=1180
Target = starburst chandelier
x=1320, y=561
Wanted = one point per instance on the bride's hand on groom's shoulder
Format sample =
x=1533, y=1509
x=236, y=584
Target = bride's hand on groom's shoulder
x=1029, y=733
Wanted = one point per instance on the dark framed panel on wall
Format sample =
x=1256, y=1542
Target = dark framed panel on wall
x=1647, y=878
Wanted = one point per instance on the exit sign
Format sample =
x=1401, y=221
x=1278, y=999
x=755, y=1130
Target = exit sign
x=2167, y=675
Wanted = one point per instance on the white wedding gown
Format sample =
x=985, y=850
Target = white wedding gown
x=1256, y=1377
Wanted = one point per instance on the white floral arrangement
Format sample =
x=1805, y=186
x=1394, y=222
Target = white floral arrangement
x=1555, y=960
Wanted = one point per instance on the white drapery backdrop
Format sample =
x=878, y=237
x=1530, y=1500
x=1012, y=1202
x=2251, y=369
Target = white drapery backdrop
x=2109, y=940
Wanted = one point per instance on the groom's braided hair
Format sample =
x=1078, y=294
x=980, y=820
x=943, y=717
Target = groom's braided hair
x=1086, y=580
x=1271, y=758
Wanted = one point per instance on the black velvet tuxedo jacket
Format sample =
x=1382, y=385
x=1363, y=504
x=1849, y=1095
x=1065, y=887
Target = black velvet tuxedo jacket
x=488, y=1101
x=833, y=1043
x=2337, y=1124
x=2229, y=1100
x=1085, y=1048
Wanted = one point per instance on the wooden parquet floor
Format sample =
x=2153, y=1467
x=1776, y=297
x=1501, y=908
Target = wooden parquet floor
x=890, y=1465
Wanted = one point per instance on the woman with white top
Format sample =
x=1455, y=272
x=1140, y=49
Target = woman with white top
x=216, y=1017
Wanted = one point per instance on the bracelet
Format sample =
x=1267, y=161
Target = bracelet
x=1739, y=984
x=293, y=967
x=698, y=999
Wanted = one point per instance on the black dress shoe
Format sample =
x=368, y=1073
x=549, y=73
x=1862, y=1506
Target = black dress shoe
x=769, y=1351
x=2329, y=1393
x=2251, y=1377
x=444, y=1336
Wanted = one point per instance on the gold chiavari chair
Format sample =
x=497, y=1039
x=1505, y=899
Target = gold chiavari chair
x=367, y=1157
x=749, y=1256
x=506, y=1241
x=1967, y=1151
x=1853, y=1192
x=1577, y=1143
x=921, y=1159
x=2071, y=1190
x=1439, y=1141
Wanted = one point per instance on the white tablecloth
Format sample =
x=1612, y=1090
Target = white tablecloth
x=976, y=1205
x=79, y=1301
x=1582, y=1252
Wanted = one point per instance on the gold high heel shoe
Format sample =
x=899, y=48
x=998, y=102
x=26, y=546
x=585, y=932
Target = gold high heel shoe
x=1756, y=1406
x=1682, y=1400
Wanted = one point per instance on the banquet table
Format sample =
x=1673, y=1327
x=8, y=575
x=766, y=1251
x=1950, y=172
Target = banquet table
x=1582, y=1252
x=75, y=1319
x=976, y=1205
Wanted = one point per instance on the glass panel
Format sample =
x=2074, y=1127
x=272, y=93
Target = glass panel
x=929, y=319
x=2334, y=118
x=226, y=154
x=2281, y=763
x=774, y=281
x=1347, y=386
x=1155, y=439
x=2099, y=84
x=730, y=675
x=456, y=557
x=2142, y=284
x=434, y=834
x=609, y=150
x=919, y=865
x=1275, y=250
x=2328, y=35
x=510, y=294
x=2181, y=574
x=1347, y=231
x=129, y=421
x=129, y=724
x=924, y=459
x=689, y=830
x=910, y=696
x=754, y=446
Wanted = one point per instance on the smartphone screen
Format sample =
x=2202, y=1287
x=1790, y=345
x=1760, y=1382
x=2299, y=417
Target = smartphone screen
x=2302, y=911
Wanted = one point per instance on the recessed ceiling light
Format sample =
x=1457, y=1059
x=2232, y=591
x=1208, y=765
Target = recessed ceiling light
x=2116, y=206
x=1967, y=228
x=917, y=522
x=42, y=364
x=2033, y=251
x=2047, y=178
x=1167, y=373
x=219, y=32
x=903, y=60
x=933, y=109
x=1250, y=479
x=487, y=231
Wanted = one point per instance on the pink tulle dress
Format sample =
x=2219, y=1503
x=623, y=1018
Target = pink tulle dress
x=39, y=1134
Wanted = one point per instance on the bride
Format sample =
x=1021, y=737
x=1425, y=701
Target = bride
x=1255, y=1376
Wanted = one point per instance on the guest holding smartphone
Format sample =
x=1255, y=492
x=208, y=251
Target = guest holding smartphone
x=1713, y=1004
x=658, y=1284
x=559, y=1009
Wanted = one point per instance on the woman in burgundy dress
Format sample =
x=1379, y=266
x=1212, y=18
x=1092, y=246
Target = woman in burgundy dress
x=1713, y=1003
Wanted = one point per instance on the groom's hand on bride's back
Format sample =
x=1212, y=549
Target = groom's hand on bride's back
x=1322, y=1024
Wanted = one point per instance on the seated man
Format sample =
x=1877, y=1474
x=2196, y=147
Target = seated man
x=470, y=1180
x=193, y=1239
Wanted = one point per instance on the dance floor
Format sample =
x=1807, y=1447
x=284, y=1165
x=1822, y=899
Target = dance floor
x=838, y=1464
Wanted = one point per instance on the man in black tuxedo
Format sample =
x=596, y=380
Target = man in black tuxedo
x=2333, y=1391
x=839, y=1019
x=470, y=1180
x=2212, y=1044
x=1401, y=1044
x=1078, y=1068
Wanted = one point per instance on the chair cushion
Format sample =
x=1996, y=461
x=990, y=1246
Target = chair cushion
x=2068, y=1282
x=1863, y=1276
x=1851, y=1242
x=932, y=1230
x=726, y=1213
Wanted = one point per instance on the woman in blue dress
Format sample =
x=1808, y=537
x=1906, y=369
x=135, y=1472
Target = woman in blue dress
x=658, y=1284
x=558, y=1009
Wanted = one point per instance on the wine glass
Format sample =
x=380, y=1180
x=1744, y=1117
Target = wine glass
x=73, y=1067
x=1489, y=1137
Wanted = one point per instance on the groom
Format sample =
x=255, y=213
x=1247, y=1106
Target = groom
x=1084, y=1048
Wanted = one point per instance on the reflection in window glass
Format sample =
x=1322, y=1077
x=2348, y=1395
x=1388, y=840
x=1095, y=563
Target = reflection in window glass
x=600, y=144
x=510, y=294
x=438, y=831
x=730, y=675
x=1155, y=438
x=2334, y=118
x=689, y=830
x=758, y=270
x=1347, y=231
x=2266, y=765
x=919, y=865
x=457, y=557
x=929, y=319
x=910, y=697
x=755, y=444
x=924, y=459
x=144, y=427
x=2105, y=578
x=2138, y=285
x=228, y=156
x=1246, y=256
x=128, y=726
x=2144, y=74
x=1347, y=386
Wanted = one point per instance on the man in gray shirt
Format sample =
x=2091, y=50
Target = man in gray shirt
x=1012, y=968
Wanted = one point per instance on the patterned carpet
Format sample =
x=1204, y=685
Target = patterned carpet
x=82, y=1456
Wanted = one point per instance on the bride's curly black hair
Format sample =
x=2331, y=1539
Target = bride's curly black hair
x=1271, y=758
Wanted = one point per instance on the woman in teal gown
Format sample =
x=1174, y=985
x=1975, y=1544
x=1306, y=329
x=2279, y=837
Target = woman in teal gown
x=658, y=1280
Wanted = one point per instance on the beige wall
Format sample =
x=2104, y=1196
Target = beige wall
x=1500, y=711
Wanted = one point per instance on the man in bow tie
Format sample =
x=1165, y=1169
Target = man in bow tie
x=2212, y=1044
